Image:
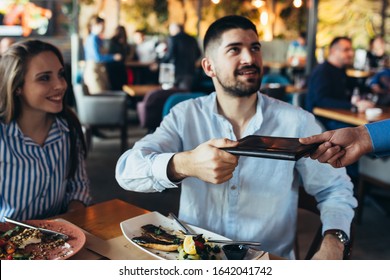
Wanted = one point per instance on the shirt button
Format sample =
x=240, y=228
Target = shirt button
x=233, y=188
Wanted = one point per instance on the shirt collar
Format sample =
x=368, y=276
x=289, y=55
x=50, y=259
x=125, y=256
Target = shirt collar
x=12, y=129
x=254, y=124
x=58, y=127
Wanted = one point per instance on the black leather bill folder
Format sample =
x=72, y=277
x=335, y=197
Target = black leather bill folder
x=283, y=148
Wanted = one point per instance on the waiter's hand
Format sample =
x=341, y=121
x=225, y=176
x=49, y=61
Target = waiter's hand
x=340, y=147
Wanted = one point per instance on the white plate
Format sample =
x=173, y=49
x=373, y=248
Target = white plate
x=132, y=228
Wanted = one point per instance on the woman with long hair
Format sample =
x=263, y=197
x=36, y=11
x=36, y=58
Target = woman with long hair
x=42, y=148
x=117, y=72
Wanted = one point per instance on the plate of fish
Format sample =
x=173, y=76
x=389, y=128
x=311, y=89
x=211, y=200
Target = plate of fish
x=17, y=242
x=162, y=237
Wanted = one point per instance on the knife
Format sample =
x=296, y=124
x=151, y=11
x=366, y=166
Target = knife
x=43, y=230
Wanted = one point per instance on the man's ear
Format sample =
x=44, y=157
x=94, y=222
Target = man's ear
x=208, y=67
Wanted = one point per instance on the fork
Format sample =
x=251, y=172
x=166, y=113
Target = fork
x=186, y=230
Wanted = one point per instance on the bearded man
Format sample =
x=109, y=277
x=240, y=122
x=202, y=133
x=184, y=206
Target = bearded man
x=242, y=198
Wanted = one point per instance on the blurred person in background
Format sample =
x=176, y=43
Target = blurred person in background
x=183, y=52
x=42, y=158
x=376, y=54
x=144, y=49
x=145, y=53
x=5, y=43
x=296, y=55
x=95, y=72
x=117, y=72
x=379, y=85
x=329, y=86
x=297, y=51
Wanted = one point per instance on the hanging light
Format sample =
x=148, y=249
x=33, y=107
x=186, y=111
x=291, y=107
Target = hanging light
x=264, y=18
x=258, y=3
x=216, y=1
x=297, y=3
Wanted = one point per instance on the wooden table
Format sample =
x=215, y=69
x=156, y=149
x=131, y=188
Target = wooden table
x=103, y=219
x=139, y=64
x=346, y=116
x=139, y=90
x=142, y=71
x=354, y=73
x=291, y=89
x=275, y=64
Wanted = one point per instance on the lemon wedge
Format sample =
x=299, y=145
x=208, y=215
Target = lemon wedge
x=189, y=245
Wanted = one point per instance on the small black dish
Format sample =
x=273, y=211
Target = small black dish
x=235, y=251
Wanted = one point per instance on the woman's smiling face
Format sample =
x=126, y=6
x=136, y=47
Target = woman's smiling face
x=44, y=84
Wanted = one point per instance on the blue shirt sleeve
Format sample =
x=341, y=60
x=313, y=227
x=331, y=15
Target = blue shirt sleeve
x=92, y=50
x=374, y=80
x=380, y=137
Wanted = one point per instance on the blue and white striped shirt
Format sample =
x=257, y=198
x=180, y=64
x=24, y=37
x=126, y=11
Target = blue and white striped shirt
x=33, y=179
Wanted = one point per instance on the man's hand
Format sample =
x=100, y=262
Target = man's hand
x=331, y=249
x=340, y=147
x=205, y=162
x=363, y=105
x=117, y=57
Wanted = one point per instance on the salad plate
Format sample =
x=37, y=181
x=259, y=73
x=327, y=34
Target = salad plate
x=48, y=250
x=132, y=228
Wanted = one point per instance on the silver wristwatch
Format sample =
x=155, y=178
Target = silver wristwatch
x=341, y=235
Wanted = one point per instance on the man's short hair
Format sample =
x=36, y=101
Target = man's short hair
x=302, y=34
x=338, y=39
x=218, y=27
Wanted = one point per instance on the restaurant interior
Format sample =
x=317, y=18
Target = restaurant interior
x=135, y=113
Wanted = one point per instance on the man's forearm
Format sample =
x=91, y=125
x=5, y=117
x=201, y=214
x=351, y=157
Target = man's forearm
x=177, y=167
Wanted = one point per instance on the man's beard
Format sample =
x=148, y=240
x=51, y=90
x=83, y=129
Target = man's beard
x=241, y=89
